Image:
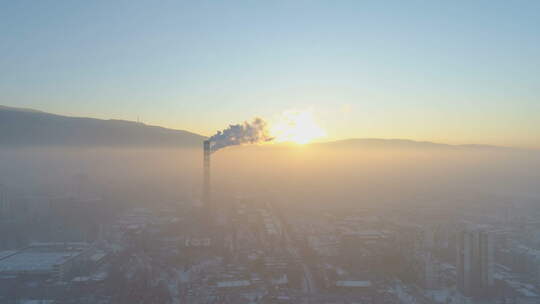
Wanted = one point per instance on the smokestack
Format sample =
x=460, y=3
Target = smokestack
x=206, y=178
x=245, y=133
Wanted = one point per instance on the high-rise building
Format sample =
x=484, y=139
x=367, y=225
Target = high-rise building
x=417, y=245
x=474, y=262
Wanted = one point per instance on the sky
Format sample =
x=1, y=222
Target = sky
x=446, y=71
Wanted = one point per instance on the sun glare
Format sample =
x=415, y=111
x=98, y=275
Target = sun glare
x=299, y=127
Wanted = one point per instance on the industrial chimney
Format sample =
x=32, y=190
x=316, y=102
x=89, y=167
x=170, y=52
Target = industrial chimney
x=238, y=134
x=206, y=199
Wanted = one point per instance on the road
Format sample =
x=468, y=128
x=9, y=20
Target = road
x=309, y=286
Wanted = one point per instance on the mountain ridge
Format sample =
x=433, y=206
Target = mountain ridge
x=384, y=143
x=30, y=127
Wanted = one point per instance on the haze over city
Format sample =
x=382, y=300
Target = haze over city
x=269, y=152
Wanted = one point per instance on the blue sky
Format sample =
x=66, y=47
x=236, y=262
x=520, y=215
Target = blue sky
x=450, y=71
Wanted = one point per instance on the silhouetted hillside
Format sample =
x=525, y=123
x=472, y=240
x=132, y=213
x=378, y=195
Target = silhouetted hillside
x=399, y=144
x=26, y=127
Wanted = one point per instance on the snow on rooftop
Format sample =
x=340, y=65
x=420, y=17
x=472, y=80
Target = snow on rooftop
x=353, y=283
x=35, y=261
x=526, y=292
x=97, y=256
x=6, y=253
x=240, y=283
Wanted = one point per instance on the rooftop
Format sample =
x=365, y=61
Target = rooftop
x=35, y=261
x=353, y=283
x=42, y=257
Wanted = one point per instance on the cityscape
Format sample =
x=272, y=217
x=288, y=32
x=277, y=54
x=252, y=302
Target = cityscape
x=254, y=246
x=270, y=152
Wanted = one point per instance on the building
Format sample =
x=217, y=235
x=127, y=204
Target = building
x=358, y=287
x=522, y=259
x=364, y=250
x=426, y=270
x=325, y=245
x=416, y=246
x=45, y=260
x=353, y=284
x=474, y=262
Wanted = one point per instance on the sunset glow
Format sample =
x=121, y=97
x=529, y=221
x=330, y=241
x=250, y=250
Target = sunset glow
x=298, y=127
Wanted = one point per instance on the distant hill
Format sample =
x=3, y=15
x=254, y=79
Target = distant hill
x=27, y=127
x=399, y=144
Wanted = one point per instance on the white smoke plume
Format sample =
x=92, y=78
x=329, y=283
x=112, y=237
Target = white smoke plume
x=245, y=133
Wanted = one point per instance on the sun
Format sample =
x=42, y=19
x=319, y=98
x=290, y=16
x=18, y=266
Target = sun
x=299, y=127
